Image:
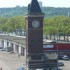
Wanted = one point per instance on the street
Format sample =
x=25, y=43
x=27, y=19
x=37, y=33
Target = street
x=66, y=65
x=11, y=61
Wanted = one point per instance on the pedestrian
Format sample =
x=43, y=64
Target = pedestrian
x=18, y=54
x=1, y=68
x=10, y=52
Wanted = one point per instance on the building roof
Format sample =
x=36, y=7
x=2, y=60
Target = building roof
x=34, y=7
x=47, y=41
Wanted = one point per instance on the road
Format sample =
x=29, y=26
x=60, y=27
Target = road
x=11, y=61
x=66, y=65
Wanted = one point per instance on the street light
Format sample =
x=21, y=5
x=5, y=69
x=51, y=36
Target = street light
x=57, y=50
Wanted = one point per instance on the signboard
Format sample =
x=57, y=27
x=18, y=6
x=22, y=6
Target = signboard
x=48, y=46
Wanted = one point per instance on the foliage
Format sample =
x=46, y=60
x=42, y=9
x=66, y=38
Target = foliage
x=21, y=11
x=58, y=24
x=53, y=25
x=12, y=24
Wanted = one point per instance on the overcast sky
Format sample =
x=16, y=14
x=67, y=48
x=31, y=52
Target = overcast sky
x=52, y=3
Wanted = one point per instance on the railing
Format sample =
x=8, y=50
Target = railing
x=13, y=34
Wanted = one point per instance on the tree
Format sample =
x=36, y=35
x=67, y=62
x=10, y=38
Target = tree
x=57, y=25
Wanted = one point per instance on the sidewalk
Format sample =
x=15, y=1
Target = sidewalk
x=11, y=61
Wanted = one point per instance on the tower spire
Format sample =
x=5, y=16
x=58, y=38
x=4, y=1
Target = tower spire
x=34, y=7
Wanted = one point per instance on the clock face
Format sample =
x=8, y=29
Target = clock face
x=35, y=23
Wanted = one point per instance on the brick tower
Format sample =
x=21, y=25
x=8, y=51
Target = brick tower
x=34, y=39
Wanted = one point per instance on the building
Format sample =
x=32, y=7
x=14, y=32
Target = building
x=61, y=47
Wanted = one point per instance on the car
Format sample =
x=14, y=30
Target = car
x=39, y=69
x=8, y=49
x=20, y=68
x=60, y=57
x=4, y=49
x=65, y=57
x=60, y=64
x=1, y=47
x=57, y=68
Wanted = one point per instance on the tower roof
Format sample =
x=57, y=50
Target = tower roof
x=34, y=7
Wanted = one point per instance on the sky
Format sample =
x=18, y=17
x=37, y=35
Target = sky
x=47, y=3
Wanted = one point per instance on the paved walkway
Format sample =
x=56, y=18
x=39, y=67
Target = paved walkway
x=4, y=66
x=11, y=61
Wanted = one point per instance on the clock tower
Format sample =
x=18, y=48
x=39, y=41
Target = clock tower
x=34, y=38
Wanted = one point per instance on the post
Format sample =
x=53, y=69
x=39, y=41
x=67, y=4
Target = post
x=57, y=51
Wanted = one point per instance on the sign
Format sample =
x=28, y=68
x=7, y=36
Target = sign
x=48, y=46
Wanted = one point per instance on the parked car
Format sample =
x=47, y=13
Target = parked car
x=8, y=49
x=60, y=56
x=60, y=64
x=4, y=49
x=57, y=68
x=39, y=69
x=1, y=47
x=20, y=68
x=65, y=57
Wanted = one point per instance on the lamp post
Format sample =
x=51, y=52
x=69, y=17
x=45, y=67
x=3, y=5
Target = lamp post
x=57, y=50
